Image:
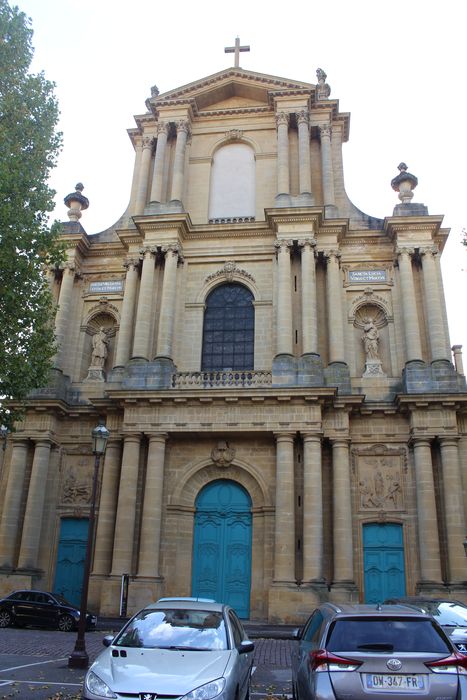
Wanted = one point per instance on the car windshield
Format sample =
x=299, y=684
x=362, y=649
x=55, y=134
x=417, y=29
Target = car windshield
x=393, y=635
x=449, y=614
x=185, y=629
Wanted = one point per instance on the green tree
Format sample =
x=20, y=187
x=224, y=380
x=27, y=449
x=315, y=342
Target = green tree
x=29, y=146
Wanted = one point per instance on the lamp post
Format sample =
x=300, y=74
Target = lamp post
x=79, y=657
x=3, y=435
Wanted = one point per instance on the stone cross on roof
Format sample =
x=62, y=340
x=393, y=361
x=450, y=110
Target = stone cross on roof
x=236, y=50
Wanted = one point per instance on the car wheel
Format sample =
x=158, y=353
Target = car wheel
x=66, y=623
x=5, y=618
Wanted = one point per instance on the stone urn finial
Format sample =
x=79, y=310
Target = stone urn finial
x=404, y=183
x=76, y=202
x=323, y=90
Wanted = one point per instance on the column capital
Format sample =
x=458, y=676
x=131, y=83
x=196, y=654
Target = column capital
x=147, y=142
x=162, y=128
x=429, y=250
x=332, y=253
x=156, y=436
x=404, y=250
x=284, y=436
x=283, y=243
x=151, y=250
x=445, y=440
x=131, y=261
x=183, y=125
x=304, y=242
x=131, y=436
x=340, y=441
x=416, y=440
x=325, y=130
x=303, y=117
x=282, y=118
x=312, y=437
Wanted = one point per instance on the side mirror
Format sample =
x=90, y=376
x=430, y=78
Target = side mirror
x=297, y=633
x=245, y=647
x=108, y=639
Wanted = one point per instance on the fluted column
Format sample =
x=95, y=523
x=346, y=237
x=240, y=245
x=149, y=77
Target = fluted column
x=157, y=178
x=183, y=130
x=454, y=509
x=32, y=523
x=10, y=523
x=143, y=181
x=144, y=313
x=284, y=537
x=122, y=559
x=428, y=537
x=149, y=546
x=336, y=343
x=304, y=163
x=312, y=509
x=409, y=307
x=342, y=512
x=309, y=304
x=283, y=181
x=123, y=351
x=107, y=508
x=439, y=344
x=168, y=302
x=62, y=317
x=327, y=174
x=284, y=298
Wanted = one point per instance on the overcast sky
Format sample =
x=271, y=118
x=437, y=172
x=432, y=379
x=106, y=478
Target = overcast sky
x=398, y=68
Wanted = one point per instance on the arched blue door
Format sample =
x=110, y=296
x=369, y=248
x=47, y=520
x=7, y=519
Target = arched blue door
x=383, y=561
x=70, y=558
x=222, y=545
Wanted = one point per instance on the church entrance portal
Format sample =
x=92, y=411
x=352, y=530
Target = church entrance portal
x=70, y=558
x=222, y=545
x=383, y=561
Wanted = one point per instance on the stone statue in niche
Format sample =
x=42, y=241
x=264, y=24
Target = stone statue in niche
x=370, y=339
x=100, y=343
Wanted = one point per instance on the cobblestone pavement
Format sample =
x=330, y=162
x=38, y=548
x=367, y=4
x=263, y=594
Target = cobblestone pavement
x=33, y=665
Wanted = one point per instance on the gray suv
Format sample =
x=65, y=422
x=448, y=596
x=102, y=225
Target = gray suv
x=375, y=651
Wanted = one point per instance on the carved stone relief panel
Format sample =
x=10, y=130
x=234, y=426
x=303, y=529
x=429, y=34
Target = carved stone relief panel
x=380, y=474
x=76, y=480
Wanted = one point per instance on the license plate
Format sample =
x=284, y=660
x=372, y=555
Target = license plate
x=386, y=681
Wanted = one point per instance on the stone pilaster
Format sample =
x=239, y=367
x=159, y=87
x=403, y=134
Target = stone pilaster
x=309, y=304
x=304, y=164
x=143, y=182
x=284, y=337
x=183, y=131
x=312, y=509
x=107, y=508
x=284, y=535
x=409, y=309
x=157, y=179
x=141, y=343
x=454, y=509
x=150, y=540
x=342, y=513
x=10, y=523
x=283, y=178
x=32, y=523
x=122, y=354
x=439, y=343
x=63, y=315
x=135, y=180
x=168, y=303
x=327, y=174
x=334, y=308
x=122, y=560
x=428, y=538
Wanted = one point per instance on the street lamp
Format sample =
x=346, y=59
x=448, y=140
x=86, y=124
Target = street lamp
x=79, y=657
x=465, y=546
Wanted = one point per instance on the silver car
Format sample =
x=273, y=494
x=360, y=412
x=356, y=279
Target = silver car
x=175, y=648
x=375, y=652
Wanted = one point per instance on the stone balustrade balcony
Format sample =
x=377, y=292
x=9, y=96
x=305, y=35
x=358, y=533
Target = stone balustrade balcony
x=222, y=379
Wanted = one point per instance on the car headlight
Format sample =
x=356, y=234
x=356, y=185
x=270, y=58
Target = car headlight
x=96, y=686
x=207, y=691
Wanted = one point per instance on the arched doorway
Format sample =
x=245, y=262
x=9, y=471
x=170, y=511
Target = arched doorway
x=222, y=545
x=383, y=561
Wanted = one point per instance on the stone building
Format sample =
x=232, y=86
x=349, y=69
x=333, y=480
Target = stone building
x=286, y=421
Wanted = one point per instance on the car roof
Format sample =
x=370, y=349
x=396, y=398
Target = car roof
x=423, y=599
x=186, y=604
x=371, y=610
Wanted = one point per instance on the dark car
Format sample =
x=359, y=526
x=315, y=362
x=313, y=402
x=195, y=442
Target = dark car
x=367, y=651
x=450, y=614
x=41, y=609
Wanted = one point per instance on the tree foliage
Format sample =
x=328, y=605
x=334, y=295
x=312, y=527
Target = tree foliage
x=29, y=146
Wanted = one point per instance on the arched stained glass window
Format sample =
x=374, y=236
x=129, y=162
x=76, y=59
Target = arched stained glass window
x=229, y=329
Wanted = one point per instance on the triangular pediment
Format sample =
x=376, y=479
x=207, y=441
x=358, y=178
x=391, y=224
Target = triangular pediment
x=232, y=88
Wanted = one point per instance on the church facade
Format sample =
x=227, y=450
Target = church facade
x=287, y=417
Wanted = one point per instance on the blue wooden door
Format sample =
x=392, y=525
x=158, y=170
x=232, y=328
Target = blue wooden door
x=70, y=558
x=383, y=561
x=222, y=545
